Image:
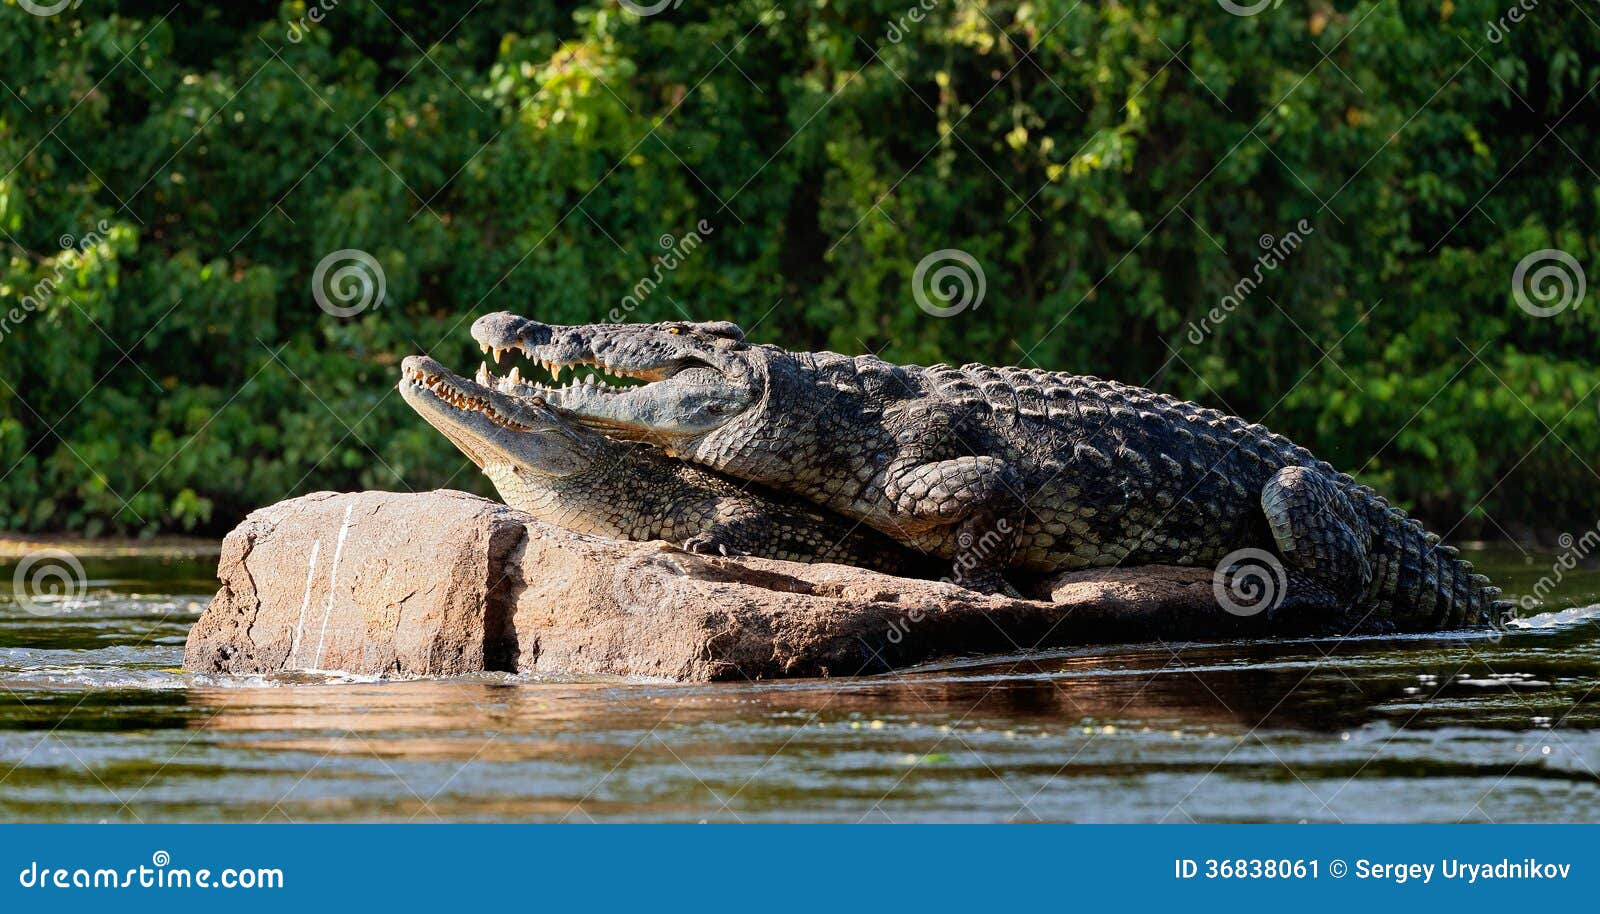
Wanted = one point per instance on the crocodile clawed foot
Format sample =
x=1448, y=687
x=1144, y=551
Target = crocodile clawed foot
x=991, y=584
x=703, y=544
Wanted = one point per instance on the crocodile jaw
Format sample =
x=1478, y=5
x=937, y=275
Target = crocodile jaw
x=492, y=428
x=696, y=377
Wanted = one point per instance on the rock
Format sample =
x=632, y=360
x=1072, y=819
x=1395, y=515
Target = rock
x=445, y=583
x=372, y=582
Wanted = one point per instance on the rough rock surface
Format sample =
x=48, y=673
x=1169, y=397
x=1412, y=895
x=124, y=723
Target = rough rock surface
x=445, y=583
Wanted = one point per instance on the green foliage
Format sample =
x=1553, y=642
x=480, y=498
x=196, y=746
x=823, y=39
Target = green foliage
x=1110, y=165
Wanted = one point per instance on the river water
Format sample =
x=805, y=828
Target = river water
x=98, y=723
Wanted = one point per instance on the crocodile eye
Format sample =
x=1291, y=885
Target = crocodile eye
x=675, y=330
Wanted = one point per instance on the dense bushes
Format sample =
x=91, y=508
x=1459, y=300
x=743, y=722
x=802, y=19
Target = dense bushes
x=1114, y=168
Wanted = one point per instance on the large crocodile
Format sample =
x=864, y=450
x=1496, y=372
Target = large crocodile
x=568, y=475
x=1012, y=468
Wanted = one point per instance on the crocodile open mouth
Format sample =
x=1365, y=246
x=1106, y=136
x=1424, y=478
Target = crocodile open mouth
x=531, y=374
x=458, y=392
x=655, y=383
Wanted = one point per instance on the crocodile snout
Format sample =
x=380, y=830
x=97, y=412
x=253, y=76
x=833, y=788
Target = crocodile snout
x=504, y=329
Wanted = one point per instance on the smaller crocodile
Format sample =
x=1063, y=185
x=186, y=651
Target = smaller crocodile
x=568, y=475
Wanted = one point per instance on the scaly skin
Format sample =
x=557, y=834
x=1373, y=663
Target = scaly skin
x=563, y=473
x=1011, y=468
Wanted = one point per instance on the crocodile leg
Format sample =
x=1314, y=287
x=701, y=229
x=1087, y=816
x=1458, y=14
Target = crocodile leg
x=976, y=494
x=721, y=526
x=1323, y=541
x=719, y=539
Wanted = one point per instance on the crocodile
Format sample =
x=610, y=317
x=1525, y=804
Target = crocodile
x=1006, y=469
x=563, y=473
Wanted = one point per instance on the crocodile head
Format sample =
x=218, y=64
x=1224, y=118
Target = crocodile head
x=499, y=431
x=697, y=377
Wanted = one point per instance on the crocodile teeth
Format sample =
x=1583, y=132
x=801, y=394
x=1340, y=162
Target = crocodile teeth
x=485, y=347
x=514, y=375
x=483, y=375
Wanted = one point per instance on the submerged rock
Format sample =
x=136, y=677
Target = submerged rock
x=445, y=583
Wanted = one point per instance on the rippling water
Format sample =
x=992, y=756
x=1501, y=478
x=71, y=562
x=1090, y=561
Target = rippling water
x=98, y=723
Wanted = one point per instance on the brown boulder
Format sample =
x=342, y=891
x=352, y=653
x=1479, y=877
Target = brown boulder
x=445, y=583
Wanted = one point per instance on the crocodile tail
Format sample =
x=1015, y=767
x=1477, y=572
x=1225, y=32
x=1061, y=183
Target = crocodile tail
x=1502, y=612
x=1426, y=583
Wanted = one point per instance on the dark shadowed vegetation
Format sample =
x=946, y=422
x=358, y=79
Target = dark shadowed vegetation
x=1311, y=216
